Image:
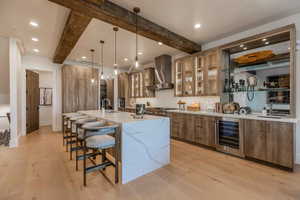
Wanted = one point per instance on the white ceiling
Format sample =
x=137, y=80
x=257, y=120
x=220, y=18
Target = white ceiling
x=15, y=16
x=98, y=30
x=219, y=18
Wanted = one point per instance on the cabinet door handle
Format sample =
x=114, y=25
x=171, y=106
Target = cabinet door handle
x=216, y=132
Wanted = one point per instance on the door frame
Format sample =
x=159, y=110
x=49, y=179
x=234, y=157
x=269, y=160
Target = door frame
x=55, y=100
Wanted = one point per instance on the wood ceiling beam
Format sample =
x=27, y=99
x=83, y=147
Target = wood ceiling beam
x=75, y=26
x=109, y=12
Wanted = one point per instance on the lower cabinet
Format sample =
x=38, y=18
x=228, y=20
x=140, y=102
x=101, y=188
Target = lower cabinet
x=205, y=130
x=178, y=124
x=263, y=140
x=193, y=128
x=270, y=141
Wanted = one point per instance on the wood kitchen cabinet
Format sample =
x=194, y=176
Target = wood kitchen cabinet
x=198, y=75
x=280, y=146
x=77, y=86
x=177, y=125
x=205, y=130
x=140, y=84
x=193, y=128
x=270, y=141
x=189, y=127
x=255, y=139
x=149, y=82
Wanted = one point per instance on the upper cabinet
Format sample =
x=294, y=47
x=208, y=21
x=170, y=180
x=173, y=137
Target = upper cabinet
x=198, y=75
x=141, y=84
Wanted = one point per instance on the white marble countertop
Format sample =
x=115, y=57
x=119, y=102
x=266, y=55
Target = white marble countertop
x=250, y=116
x=118, y=117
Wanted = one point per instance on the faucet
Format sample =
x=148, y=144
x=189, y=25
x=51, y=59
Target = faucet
x=104, y=101
x=271, y=104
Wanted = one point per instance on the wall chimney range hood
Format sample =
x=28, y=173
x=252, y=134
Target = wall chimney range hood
x=163, y=73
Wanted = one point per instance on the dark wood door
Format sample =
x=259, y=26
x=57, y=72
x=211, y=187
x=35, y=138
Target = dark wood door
x=280, y=146
x=255, y=139
x=32, y=101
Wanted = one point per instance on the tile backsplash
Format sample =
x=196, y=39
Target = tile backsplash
x=165, y=98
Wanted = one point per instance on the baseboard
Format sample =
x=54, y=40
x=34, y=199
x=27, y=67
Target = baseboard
x=14, y=142
x=297, y=160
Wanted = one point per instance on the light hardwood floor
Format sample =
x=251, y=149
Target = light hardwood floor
x=40, y=170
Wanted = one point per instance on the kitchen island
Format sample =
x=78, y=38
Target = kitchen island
x=145, y=143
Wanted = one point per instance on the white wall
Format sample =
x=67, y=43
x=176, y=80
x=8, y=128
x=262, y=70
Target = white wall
x=40, y=63
x=45, y=112
x=267, y=27
x=4, y=70
x=15, y=64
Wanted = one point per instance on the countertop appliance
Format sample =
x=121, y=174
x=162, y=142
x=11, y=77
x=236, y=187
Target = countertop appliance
x=140, y=109
x=229, y=136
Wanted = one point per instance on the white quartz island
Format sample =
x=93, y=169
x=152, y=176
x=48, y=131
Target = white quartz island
x=145, y=143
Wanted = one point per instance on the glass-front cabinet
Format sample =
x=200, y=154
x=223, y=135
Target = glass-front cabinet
x=212, y=66
x=142, y=84
x=188, y=77
x=178, y=77
x=198, y=75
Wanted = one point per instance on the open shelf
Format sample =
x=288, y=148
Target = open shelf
x=261, y=90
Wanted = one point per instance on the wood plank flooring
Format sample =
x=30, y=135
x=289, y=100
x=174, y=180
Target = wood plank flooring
x=40, y=169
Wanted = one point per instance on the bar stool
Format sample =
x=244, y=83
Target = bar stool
x=97, y=138
x=65, y=125
x=72, y=133
x=79, y=135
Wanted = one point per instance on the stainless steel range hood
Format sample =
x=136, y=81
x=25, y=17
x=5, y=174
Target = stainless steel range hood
x=163, y=73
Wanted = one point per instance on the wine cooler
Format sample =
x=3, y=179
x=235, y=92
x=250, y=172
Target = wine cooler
x=229, y=137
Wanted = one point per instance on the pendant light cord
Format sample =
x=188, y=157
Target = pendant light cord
x=136, y=36
x=92, y=55
x=115, y=47
x=102, y=57
x=136, y=11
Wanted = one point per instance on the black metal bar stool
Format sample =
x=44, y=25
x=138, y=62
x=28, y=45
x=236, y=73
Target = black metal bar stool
x=79, y=136
x=97, y=138
x=72, y=133
x=66, y=126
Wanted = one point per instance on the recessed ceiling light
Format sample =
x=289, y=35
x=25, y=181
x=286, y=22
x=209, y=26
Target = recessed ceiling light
x=196, y=26
x=160, y=43
x=267, y=43
x=140, y=53
x=35, y=39
x=34, y=24
x=83, y=57
x=242, y=45
x=265, y=39
x=289, y=48
x=245, y=48
x=125, y=59
x=36, y=50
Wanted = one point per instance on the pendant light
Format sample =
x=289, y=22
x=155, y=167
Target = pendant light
x=136, y=10
x=92, y=56
x=115, y=63
x=102, y=64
